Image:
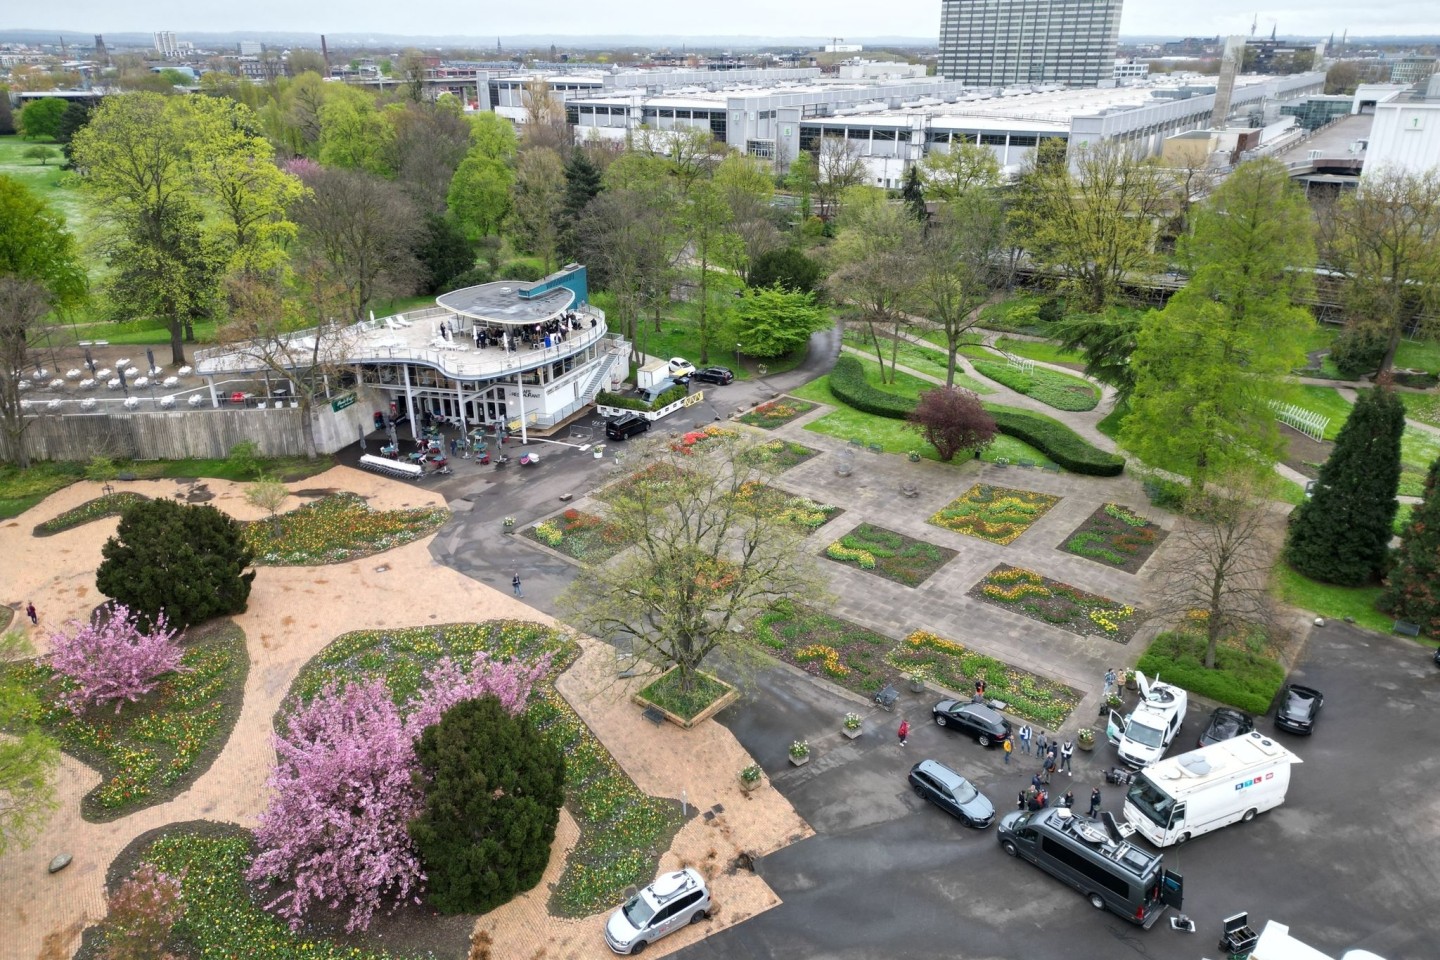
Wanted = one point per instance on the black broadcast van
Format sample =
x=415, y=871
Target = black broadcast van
x=1094, y=857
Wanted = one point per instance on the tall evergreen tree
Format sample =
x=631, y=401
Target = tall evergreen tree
x=1413, y=590
x=913, y=194
x=582, y=184
x=1341, y=534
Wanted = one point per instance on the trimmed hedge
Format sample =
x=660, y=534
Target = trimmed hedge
x=1240, y=678
x=606, y=399
x=1058, y=390
x=1050, y=437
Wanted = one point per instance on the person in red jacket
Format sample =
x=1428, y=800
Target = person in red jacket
x=904, y=731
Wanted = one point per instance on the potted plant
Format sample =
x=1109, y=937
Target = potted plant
x=800, y=752
x=851, y=727
x=750, y=777
x=917, y=683
x=1085, y=739
x=509, y=524
x=1111, y=702
x=1130, y=681
x=914, y=456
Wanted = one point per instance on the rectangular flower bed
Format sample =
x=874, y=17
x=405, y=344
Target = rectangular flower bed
x=1116, y=536
x=888, y=554
x=656, y=475
x=778, y=455
x=826, y=646
x=686, y=708
x=777, y=413
x=997, y=514
x=583, y=536
x=1058, y=604
x=800, y=511
x=956, y=667
x=688, y=442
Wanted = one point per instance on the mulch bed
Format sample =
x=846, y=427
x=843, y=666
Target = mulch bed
x=1116, y=536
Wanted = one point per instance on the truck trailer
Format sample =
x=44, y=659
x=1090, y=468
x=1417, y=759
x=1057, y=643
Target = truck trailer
x=1184, y=796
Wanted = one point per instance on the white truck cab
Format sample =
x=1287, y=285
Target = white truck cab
x=1143, y=735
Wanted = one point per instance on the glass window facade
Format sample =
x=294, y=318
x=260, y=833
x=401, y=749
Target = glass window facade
x=1003, y=42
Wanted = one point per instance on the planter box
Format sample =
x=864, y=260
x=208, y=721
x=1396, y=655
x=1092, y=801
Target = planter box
x=800, y=761
x=725, y=699
x=852, y=734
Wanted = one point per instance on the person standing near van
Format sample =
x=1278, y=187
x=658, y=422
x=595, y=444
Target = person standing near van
x=1007, y=746
x=1065, y=753
x=904, y=732
x=1094, y=799
x=1109, y=680
x=1025, y=735
x=1041, y=744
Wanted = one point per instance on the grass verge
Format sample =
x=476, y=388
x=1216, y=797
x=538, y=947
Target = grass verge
x=1330, y=601
x=109, y=505
x=956, y=667
x=1242, y=678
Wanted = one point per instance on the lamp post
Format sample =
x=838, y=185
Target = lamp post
x=737, y=357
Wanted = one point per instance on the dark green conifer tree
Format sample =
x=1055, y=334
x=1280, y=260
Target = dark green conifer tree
x=1412, y=591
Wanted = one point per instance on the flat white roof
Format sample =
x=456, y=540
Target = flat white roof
x=1187, y=772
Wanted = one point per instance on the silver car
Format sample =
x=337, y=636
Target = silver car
x=671, y=902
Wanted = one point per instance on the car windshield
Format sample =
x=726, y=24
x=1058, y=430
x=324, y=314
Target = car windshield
x=1223, y=728
x=1144, y=735
x=1150, y=801
x=963, y=792
x=638, y=912
x=1298, y=705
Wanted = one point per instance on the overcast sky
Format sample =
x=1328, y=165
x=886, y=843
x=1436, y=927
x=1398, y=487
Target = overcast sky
x=819, y=18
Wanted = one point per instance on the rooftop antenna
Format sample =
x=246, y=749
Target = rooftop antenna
x=1254, y=23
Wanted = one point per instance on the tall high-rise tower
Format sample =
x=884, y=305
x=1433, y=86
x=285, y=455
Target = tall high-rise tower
x=1001, y=42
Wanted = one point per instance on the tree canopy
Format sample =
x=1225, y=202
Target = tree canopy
x=773, y=321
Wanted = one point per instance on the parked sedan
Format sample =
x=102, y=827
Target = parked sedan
x=717, y=375
x=1225, y=724
x=1299, y=707
x=952, y=793
x=973, y=719
x=681, y=369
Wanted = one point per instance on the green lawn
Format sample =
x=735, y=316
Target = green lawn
x=1424, y=407
x=916, y=357
x=1327, y=402
x=1419, y=354
x=51, y=184
x=1110, y=423
x=1330, y=601
x=1418, y=450
x=847, y=423
x=1040, y=350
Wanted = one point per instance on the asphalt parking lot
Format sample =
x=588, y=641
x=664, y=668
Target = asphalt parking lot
x=1351, y=860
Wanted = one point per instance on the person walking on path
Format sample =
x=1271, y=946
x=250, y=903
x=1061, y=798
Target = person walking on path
x=1094, y=799
x=1109, y=681
x=1041, y=744
x=904, y=732
x=30, y=612
x=1025, y=734
x=1065, y=753
x=515, y=585
x=1007, y=747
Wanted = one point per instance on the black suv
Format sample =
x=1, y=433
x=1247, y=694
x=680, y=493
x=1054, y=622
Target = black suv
x=626, y=426
x=973, y=719
x=716, y=375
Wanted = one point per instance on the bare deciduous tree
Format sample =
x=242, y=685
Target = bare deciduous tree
x=838, y=167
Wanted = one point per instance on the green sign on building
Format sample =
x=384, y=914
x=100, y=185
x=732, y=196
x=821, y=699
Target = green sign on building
x=340, y=403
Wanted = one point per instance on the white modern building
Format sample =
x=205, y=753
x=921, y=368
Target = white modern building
x=1406, y=131
x=520, y=356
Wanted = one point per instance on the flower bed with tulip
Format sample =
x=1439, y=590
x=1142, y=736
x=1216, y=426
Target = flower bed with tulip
x=997, y=514
x=952, y=665
x=582, y=536
x=778, y=456
x=777, y=413
x=656, y=476
x=109, y=505
x=152, y=750
x=769, y=502
x=1116, y=536
x=825, y=646
x=622, y=830
x=695, y=439
x=888, y=554
x=335, y=529
x=1058, y=604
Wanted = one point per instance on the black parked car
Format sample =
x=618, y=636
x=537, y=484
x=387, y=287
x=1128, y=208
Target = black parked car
x=952, y=793
x=720, y=375
x=973, y=719
x=626, y=426
x=1299, y=706
x=1225, y=724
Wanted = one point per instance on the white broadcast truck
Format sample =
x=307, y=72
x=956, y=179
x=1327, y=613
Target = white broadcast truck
x=1184, y=796
x=1143, y=735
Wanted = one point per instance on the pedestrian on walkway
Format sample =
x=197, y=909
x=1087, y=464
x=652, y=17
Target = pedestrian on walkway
x=1020, y=803
x=30, y=612
x=1065, y=753
x=904, y=732
x=1109, y=680
x=1068, y=801
x=515, y=585
x=1048, y=768
x=1041, y=744
x=1025, y=734
x=1007, y=746
x=1094, y=799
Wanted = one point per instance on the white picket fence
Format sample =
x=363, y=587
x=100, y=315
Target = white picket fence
x=1308, y=422
x=1020, y=363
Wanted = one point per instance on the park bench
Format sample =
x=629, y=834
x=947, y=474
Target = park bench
x=1406, y=628
x=1025, y=463
x=654, y=715
x=1050, y=467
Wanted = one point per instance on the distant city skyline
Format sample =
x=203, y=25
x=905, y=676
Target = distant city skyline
x=761, y=18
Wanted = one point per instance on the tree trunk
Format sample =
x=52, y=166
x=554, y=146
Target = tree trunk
x=879, y=350
x=177, y=345
x=1391, y=348
x=307, y=404
x=704, y=304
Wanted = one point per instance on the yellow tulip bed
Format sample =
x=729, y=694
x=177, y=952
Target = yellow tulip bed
x=1058, y=604
x=997, y=514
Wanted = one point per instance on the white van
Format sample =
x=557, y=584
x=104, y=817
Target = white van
x=1143, y=736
